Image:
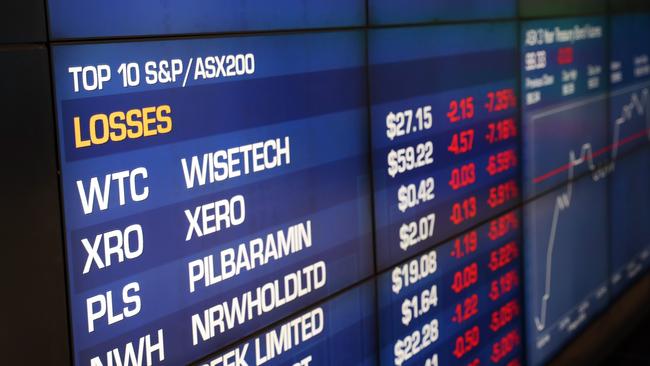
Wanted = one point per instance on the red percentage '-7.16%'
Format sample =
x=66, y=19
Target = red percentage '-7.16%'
x=501, y=131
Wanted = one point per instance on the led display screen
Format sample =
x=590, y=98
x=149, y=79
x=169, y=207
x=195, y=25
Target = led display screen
x=341, y=182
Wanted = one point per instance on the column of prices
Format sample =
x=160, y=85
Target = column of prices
x=456, y=304
x=445, y=138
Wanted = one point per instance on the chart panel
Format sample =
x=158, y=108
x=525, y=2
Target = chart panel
x=211, y=186
x=564, y=108
x=457, y=304
x=566, y=248
x=445, y=145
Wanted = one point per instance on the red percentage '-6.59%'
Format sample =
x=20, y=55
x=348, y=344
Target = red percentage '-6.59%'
x=501, y=131
x=502, y=161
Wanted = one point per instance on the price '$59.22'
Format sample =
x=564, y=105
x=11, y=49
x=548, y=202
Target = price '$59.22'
x=409, y=158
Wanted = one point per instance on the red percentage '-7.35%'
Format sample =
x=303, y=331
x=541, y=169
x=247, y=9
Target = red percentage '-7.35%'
x=501, y=100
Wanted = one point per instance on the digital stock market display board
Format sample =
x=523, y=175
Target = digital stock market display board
x=344, y=182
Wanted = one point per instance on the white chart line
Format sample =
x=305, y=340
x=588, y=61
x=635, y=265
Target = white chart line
x=639, y=104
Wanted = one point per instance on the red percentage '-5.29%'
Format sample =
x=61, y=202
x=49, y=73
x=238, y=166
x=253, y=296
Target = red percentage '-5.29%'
x=503, y=256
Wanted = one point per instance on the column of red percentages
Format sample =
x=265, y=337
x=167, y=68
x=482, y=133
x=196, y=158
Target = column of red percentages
x=466, y=279
x=462, y=111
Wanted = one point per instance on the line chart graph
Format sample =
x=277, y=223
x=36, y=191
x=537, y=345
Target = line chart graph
x=637, y=106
